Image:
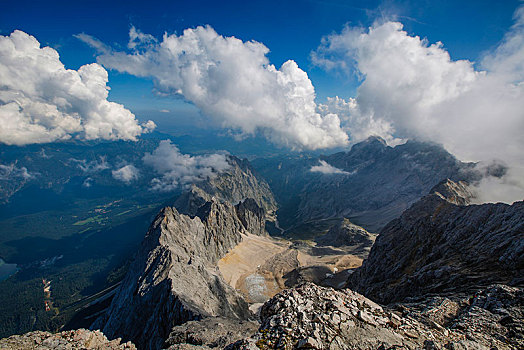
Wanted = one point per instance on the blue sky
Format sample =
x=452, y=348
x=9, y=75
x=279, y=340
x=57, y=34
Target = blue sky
x=290, y=29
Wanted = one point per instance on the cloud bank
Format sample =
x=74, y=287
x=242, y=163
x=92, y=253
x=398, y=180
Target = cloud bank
x=232, y=82
x=327, y=169
x=413, y=89
x=41, y=101
x=177, y=169
x=127, y=173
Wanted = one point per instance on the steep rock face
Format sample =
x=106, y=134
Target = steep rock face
x=375, y=183
x=232, y=185
x=252, y=216
x=174, y=277
x=310, y=316
x=346, y=234
x=437, y=246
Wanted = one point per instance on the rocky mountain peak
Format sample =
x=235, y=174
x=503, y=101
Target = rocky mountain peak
x=454, y=192
x=372, y=142
x=235, y=184
x=346, y=234
x=372, y=147
x=174, y=278
x=372, y=183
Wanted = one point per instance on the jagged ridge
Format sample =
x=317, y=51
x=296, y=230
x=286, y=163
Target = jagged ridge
x=439, y=246
x=232, y=185
x=174, y=277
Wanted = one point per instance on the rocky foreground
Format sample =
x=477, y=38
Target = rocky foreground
x=68, y=340
x=310, y=316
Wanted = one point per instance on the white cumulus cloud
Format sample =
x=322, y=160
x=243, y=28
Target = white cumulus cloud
x=93, y=166
x=87, y=182
x=126, y=174
x=233, y=82
x=413, y=89
x=358, y=125
x=176, y=169
x=12, y=171
x=42, y=101
x=328, y=169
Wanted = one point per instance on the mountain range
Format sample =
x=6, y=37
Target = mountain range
x=371, y=184
x=375, y=248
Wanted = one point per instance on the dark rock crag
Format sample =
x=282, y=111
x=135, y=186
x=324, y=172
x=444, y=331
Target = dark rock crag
x=252, y=217
x=440, y=245
x=346, y=234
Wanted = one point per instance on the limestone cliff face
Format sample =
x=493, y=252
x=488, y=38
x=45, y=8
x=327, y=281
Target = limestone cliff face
x=174, y=278
x=441, y=245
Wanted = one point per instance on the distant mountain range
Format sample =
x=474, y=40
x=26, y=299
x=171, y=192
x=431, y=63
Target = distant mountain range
x=371, y=184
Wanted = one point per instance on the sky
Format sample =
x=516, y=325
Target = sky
x=305, y=75
x=290, y=29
